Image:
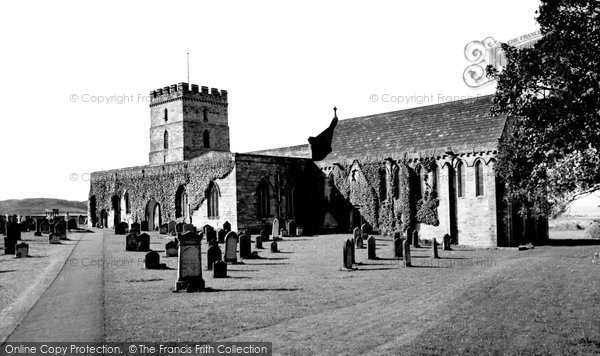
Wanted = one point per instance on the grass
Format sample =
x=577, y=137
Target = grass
x=545, y=300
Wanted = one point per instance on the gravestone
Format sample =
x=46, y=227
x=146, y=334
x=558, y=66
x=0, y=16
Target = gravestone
x=135, y=228
x=221, y=235
x=22, y=250
x=120, y=228
x=53, y=239
x=446, y=242
x=164, y=229
x=60, y=229
x=258, y=240
x=211, y=236
x=284, y=233
x=371, y=246
x=206, y=228
x=291, y=227
x=144, y=226
x=189, y=227
x=406, y=248
x=45, y=226
x=220, y=269
x=172, y=228
x=143, y=242
x=172, y=248
x=364, y=228
x=152, y=261
x=245, y=246
x=348, y=254
x=415, y=238
x=357, y=233
x=72, y=224
x=23, y=226
x=264, y=234
x=189, y=272
x=13, y=234
x=434, y=249
x=353, y=252
x=131, y=242
x=274, y=247
x=179, y=228
x=299, y=231
x=397, y=247
x=227, y=226
x=213, y=254
x=2, y=225
x=275, y=231
x=38, y=228
x=231, y=241
x=360, y=242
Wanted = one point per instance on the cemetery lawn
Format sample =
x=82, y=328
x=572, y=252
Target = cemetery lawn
x=23, y=280
x=471, y=301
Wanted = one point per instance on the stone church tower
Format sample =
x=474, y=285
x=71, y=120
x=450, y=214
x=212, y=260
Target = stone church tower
x=186, y=122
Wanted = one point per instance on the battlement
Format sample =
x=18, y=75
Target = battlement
x=184, y=89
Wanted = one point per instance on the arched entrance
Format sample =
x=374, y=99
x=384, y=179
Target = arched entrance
x=153, y=215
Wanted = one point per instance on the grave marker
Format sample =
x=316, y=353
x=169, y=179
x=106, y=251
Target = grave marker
x=189, y=262
x=135, y=228
x=131, y=242
x=220, y=269
x=53, y=239
x=357, y=233
x=245, y=246
x=275, y=230
x=264, y=234
x=291, y=227
x=152, y=261
x=213, y=254
x=231, y=241
x=371, y=246
x=120, y=228
x=189, y=227
x=397, y=247
x=348, y=254
x=274, y=247
x=172, y=248
x=415, y=238
x=143, y=242
x=434, y=249
x=360, y=242
x=258, y=240
x=164, y=229
x=446, y=242
x=22, y=250
x=221, y=235
x=172, y=227
x=227, y=226
x=406, y=248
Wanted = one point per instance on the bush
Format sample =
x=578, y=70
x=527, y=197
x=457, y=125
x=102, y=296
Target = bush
x=593, y=231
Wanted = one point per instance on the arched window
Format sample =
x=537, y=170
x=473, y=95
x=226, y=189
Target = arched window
x=206, y=139
x=478, y=178
x=166, y=140
x=125, y=203
x=181, y=202
x=264, y=199
x=433, y=178
x=460, y=179
x=420, y=181
x=205, y=113
x=213, y=201
x=166, y=115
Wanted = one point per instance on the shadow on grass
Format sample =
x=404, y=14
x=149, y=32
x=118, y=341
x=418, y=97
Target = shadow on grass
x=268, y=264
x=144, y=280
x=210, y=290
x=36, y=256
x=373, y=269
x=8, y=271
x=242, y=270
x=570, y=242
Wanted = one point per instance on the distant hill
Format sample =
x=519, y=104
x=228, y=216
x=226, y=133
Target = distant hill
x=39, y=206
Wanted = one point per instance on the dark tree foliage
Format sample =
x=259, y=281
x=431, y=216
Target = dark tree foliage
x=551, y=93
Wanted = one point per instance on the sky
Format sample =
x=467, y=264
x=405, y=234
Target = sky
x=76, y=74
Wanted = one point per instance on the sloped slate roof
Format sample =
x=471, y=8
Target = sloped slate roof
x=451, y=125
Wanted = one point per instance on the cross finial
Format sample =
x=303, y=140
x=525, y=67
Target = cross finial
x=335, y=112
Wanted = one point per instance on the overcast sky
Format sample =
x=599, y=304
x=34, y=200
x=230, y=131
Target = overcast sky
x=285, y=67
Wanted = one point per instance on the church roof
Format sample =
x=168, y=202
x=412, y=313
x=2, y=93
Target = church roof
x=460, y=125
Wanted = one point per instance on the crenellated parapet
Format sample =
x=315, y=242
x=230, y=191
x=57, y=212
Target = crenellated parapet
x=184, y=91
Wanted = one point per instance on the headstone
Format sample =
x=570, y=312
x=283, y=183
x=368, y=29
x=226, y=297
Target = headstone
x=60, y=229
x=13, y=234
x=227, y=226
x=371, y=246
x=231, y=241
x=120, y=228
x=274, y=247
x=172, y=228
x=38, y=228
x=291, y=227
x=284, y=233
x=2, y=225
x=144, y=226
x=45, y=226
x=299, y=231
x=131, y=242
x=135, y=228
x=348, y=254
x=353, y=252
x=179, y=228
x=275, y=231
x=258, y=240
x=143, y=242
x=152, y=261
x=264, y=234
x=72, y=224
x=189, y=227
x=245, y=246
x=53, y=239
x=22, y=250
x=213, y=254
x=406, y=248
x=434, y=249
x=415, y=238
x=189, y=273
x=360, y=242
x=397, y=247
x=446, y=242
x=23, y=226
x=364, y=228
x=206, y=228
x=221, y=235
x=357, y=233
x=164, y=229
x=220, y=269
x=172, y=248
x=211, y=236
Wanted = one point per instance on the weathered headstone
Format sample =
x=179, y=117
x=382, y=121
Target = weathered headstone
x=172, y=248
x=120, y=228
x=220, y=269
x=38, y=228
x=13, y=234
x=206, y=228
x=397, y=247
x=275, y=231
x=189, y=272
x=371, y=247
x=72, y=224
x=131, y=242
x=434, y=249
x=258, y=243
x=360, y=243
x=291, y=227
x=172, y=227
x=299, y=231
x=53, y=239
x=221, y=235
x=189, y=227
x=406, y=248
x=446, y=242
x=211, y=236
x=45, y=226
x=164, y=229
x=274, y=247
x=144, y=226
x=152, y=261
x=135, y=228
x=143, y=242
x=364, y=228
x=415, y=238
x=285, y=233
x=60, y=229
x=357, y=233
x=245, y=246
x=231, y=242
x=227, y=226
x=179, y=228
x=23, y=226
x=264, y=234
x=348, y=254
x=213, y=254
x=22, y=250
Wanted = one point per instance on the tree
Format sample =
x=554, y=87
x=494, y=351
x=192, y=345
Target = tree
x=551, y=94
